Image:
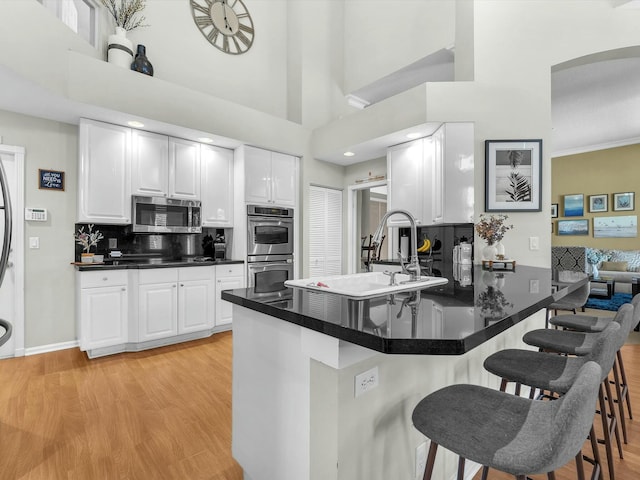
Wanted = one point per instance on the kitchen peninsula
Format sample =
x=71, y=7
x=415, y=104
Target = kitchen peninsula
x=324, y=386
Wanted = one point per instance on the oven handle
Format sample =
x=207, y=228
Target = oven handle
x=262, y=264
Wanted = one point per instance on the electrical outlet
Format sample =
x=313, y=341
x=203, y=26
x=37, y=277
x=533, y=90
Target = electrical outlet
x=113, y=243
x=421, y=459
x=534, y=243
x=366, y=381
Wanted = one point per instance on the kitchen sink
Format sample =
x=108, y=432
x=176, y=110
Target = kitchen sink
x=365, y=285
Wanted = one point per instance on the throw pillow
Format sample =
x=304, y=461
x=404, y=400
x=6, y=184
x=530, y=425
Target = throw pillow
x=632, y=257
x=614, y=266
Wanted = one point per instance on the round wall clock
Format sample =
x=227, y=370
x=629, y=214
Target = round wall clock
x=225, y=23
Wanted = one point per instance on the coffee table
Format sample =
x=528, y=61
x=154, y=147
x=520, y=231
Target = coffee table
x=602, y=287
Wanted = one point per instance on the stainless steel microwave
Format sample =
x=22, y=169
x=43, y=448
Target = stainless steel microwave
x=165, y=215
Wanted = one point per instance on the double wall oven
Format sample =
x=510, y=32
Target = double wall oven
x=269, y=248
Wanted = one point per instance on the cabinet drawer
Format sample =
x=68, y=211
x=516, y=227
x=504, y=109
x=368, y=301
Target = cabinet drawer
x=233, y=270
x=157, y=275
x=107, y=278
x=196, y=273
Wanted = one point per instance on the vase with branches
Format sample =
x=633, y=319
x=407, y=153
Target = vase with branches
x=492, y=228
x=126, y=13
x=127, y=16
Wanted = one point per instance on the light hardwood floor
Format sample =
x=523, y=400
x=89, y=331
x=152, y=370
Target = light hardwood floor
x=160, y=414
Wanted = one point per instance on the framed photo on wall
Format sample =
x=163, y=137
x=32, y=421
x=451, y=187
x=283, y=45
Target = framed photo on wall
x=573, y=227
x=513, y=175
x=623, y=201
x=574, y=205
x=615, y=227
x=598, y=203
x=554, y=210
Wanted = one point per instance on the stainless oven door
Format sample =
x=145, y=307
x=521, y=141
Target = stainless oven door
x=269, y=236
x=269, y=277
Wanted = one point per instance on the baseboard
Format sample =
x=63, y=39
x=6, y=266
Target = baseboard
x=53, y=347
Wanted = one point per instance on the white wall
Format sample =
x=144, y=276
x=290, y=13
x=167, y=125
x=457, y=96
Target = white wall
x=381, y=37
x=516, y=44
x=180, y=54
x=49, y=276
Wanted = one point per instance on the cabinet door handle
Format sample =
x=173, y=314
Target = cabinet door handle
x=104, y=279
x=124, y=289
x=182, y=284
x=174, y=285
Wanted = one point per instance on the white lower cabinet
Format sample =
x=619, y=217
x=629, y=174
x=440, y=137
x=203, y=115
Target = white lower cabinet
x=157, y=304
x=102, y=308
x=174, y=301
x=166, y=305
x=228, y=277
x=196, y=305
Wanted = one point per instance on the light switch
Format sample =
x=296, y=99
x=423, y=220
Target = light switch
x=534, y=243
x=34, y=242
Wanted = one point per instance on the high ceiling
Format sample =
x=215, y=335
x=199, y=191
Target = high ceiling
x=596, y=106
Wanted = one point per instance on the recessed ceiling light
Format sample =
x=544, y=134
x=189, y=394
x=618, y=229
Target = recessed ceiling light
x=135, y=124
x=348, y=154
x=413, y=135
x=205, y=140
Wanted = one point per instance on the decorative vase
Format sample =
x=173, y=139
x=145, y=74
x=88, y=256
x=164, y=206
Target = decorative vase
x=594, y=270
x=489, y=252
x=500, y=255
x=141, y=63
x=86, y=257
x=120, y=50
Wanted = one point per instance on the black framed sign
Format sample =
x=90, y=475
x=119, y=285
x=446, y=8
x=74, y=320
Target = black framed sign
x=51, y=179
x=513, y=175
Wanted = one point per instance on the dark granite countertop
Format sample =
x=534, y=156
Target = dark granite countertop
x=474, y=306
x=151, y=263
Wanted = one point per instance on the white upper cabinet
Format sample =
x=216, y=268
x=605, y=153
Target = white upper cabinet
x=405, y=171
x=104, y=175
x=432, y=177
x=184, y=169
x=216, y=167
x=150, y=164
x=458, y=172
x=165, y=166
x=270, y=177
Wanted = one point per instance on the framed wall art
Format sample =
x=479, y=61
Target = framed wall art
x=573, y=227
x=623, y=201
x=554, y=210
x=513, y=175
x=598, y=203
x=50, y=179
x=574, y=205
x=615, y=227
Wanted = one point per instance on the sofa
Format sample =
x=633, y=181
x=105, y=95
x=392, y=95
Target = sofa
x=620, y=265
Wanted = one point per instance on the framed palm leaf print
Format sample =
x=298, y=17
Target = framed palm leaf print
x=513, y=175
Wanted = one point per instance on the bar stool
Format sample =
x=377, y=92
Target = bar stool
x=509, y=433
x=589, y=324
x=555, y=373
x=573, y=300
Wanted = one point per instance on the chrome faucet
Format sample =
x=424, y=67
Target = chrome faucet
x=413, y=267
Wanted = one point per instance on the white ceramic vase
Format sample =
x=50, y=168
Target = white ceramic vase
x=489, y=252
x=500, y=250
x=120, y=50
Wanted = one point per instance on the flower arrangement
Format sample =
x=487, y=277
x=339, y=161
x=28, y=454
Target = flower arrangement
x=595, y=256
x=126, y=13
x=89, y=238
x=491, y=228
